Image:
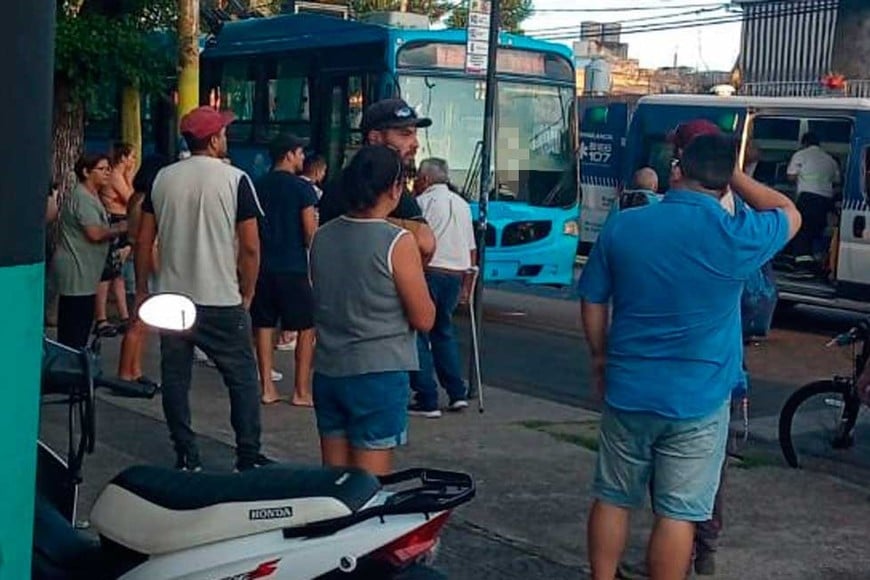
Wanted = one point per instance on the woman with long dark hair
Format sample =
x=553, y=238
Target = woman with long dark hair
x=83, y=244
x=370, y=299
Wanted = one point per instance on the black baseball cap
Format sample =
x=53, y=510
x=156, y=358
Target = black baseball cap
x=284, y=144
x=391, y=114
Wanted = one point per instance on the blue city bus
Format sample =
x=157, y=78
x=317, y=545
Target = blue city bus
x=314, y=75
x=774, y=127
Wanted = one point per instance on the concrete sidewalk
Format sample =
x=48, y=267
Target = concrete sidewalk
x=533, y=464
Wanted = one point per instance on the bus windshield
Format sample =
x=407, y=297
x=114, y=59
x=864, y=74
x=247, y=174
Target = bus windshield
x=534, y=157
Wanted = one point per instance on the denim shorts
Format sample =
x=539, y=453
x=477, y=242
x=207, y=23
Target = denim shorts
x=677, y=461
x=370, y=411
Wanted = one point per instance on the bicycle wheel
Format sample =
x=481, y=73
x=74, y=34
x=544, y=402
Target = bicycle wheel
x=816, y=419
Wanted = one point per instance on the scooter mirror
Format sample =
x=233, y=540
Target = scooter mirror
x=168, y=312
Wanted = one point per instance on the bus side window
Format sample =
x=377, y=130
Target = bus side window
x=289, y=100
x=238, y=84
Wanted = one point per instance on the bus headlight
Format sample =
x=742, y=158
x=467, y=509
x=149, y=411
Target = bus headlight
x=571, y=228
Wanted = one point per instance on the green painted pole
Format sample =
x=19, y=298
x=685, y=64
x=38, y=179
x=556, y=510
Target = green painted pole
x=27, y=64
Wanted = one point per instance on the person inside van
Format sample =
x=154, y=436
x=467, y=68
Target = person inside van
x=644, y=185
x=816, y=174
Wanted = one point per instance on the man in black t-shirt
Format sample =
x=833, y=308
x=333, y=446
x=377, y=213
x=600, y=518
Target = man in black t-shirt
x=283, y=289
x=390, y=122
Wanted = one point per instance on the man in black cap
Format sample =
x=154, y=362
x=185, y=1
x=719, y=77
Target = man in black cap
x=283, y=289
x=394, y=123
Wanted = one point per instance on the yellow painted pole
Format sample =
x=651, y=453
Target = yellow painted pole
x=188, y=56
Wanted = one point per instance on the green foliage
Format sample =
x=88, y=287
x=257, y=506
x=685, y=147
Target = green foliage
x=434, y=9
x=513, y=13
x=101, y=45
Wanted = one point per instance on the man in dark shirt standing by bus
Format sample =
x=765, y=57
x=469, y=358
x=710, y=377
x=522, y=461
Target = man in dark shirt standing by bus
x=391, y=122
x=283, y=289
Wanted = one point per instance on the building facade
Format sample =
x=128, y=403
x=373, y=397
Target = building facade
x=789, y=47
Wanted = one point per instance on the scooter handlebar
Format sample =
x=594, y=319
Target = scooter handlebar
x=126, y=388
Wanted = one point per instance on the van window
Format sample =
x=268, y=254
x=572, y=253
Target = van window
x=660, y=152
x=777, y=138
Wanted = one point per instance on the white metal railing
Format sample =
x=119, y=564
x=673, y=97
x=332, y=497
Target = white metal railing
x=858, y=88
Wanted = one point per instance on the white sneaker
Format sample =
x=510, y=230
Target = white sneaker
x=286, y=346
x=277, y=376
x=458, y=405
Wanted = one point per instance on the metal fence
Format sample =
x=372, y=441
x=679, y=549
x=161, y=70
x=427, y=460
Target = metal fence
x=859, y=88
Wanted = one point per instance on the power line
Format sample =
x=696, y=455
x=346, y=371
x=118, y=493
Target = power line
x=560, y=33
x=708, y=8
x=617, y=9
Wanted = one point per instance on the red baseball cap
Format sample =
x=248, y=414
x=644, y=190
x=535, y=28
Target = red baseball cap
x=686, y=132
x=205, y=121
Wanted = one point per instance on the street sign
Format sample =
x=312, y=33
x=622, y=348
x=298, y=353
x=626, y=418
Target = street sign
x=477, y=46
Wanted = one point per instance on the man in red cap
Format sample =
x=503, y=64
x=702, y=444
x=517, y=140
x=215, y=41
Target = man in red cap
x=205, y=213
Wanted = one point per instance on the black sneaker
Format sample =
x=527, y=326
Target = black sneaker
x=705, y=563
x=188, y=462
x=246, y=464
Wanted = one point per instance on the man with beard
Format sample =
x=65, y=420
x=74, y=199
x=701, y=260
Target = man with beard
x=391, y=122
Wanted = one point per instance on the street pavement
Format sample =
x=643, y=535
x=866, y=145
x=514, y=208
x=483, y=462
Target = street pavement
x=532, y=455
x=533, y=344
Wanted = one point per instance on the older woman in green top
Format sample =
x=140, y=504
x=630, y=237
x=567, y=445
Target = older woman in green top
x=82, y=249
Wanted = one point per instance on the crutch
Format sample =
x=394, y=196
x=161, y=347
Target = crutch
x=475, y=344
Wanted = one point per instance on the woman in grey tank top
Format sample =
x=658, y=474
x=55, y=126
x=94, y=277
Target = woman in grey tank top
x=370, y=300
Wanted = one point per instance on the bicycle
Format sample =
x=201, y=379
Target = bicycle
x=839, y=395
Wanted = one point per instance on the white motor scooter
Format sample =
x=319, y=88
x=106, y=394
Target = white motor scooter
x=280, y=521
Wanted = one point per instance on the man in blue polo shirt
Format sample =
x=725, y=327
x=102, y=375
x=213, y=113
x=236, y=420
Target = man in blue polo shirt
x=667, y=362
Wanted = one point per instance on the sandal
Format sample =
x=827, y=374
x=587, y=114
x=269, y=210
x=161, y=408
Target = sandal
x=104, y=328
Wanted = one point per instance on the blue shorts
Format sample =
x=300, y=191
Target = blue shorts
x=370, y=411
x=677, y=461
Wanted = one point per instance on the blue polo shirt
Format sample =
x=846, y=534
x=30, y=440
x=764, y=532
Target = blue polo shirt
x=674, y=272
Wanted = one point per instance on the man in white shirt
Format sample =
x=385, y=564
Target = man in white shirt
x=816, y=173
x=449, y=216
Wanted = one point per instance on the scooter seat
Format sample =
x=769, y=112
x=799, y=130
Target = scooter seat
x=154, y=510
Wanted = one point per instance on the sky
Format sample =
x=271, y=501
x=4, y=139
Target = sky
x=705, y=48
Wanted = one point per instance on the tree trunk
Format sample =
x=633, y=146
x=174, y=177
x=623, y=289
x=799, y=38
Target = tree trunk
x=69, y=136
x=851, y=56
x=188, y=56
x=131, y=120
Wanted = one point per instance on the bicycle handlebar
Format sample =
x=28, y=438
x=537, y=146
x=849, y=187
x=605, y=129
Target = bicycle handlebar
x=859, y=332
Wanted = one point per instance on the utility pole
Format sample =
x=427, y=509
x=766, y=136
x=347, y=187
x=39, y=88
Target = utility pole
x=486, y=181
x=188, y=56
x=27, y=40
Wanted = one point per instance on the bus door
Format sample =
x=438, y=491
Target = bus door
x=853, y=260
x=342, y=98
